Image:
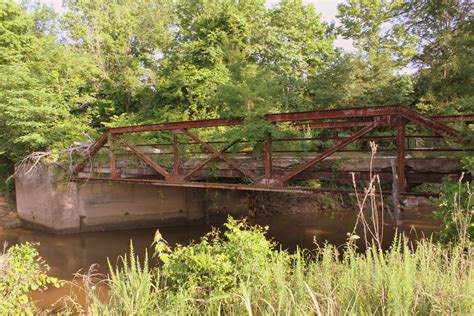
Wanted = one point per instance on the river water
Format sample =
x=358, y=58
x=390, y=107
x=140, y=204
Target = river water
x=68, y=254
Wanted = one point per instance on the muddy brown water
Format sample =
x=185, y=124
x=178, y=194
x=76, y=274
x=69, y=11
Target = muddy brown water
x=68, y=254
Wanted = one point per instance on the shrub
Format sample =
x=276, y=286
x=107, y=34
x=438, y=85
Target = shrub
x=219, y=264
x=21, y=271
x=240, y=272
x=457, y=208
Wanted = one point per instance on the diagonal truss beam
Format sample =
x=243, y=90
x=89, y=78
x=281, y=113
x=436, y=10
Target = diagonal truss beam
x=231, y=162
x=90, y=153
x=428, y=123
x=150, y=162
x=327, y=152
x=209, y=159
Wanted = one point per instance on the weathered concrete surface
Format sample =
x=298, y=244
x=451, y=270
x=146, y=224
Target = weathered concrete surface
x=46, y=201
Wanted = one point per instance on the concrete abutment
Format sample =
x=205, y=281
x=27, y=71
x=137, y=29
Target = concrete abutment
x=46, y=201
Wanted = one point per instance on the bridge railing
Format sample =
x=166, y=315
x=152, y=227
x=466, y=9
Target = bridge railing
x=349, y=126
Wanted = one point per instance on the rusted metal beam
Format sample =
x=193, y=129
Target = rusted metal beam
x=329, y=125
x=364, y=112
x=232, y=163
x=176, y=160
x=175, y=125
x=334, y=114
x=114, y=172
x=466, y=118
x=150, y=162
x=90, y=153
x=229, y=186
x=284, y=117
x=428, y=123
x=268, y=156
x=368, y=118
x=209, y=159
x=327, y=153
x=347, y=123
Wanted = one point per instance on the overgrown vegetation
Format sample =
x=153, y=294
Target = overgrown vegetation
x=241, y=272
x=457, y=208
x=22, y=271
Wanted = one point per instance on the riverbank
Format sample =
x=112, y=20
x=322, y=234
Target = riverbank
x=8, y=216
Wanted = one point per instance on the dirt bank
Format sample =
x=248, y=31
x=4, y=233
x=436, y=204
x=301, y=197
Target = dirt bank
x=267, y=203
x=8, y=216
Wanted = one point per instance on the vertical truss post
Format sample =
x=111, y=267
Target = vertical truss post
x=268, y=156
x=114, y=171
x=401, y=155
x=176, y=161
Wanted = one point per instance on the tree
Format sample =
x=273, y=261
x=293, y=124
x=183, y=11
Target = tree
x=370, y=24
x=125, y=39
x=444, y=29
x=223, y=47
x=350, y=81
x=41, y=82
x=433, y=36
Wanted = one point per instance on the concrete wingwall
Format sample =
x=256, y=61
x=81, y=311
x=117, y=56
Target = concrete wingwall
x=46, y=201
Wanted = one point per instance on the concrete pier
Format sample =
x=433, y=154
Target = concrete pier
x=47, y=201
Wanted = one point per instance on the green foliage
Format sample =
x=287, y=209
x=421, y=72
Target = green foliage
x=352, y=81
x=457, y=208
x=39, y=89
x=132, y=286
x=22, y=271
x=17, y=41
x=124, y=40
x=218, y=264
x=445, y=30
x=240, y=272
x=366, y=23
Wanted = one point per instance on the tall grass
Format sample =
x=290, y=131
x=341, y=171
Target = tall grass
x=430, y=279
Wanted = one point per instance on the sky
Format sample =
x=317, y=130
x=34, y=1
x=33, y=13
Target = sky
x=327, y=9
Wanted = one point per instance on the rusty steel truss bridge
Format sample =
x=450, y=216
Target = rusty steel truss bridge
x=329, y=145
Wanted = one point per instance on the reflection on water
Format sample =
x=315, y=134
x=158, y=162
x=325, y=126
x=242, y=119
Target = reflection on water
x=67, y=254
